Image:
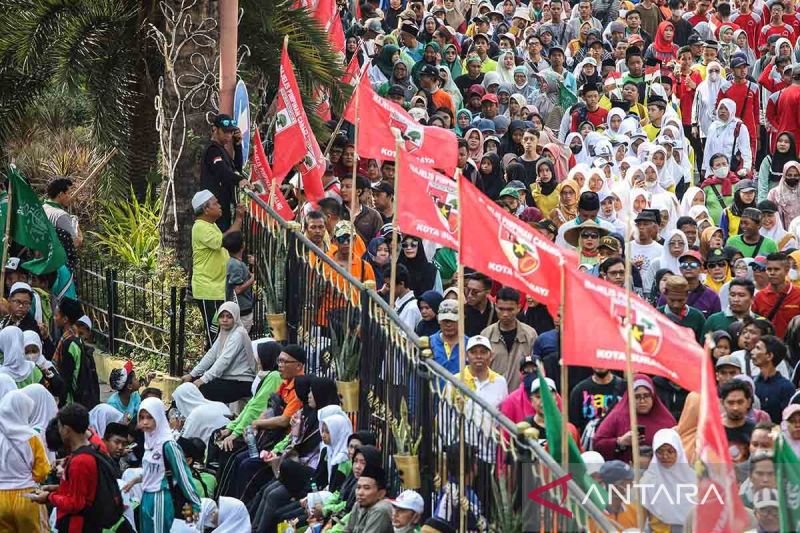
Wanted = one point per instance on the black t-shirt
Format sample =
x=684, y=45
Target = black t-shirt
x=508, y=338
x=739, y=441
x=590, y=400
x=475, y=321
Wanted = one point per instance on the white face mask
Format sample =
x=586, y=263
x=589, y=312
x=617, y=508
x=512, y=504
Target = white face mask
x=722, y=171
x=677, y=12
x=793, y=274
x=714, y=76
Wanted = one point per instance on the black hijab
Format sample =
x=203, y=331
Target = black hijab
x=738, y=206
x=309, y=436
x=779, y=159
x=507, y=144
x=547, y=187
x=268, y=353
x=295, y=478
x=422, y=273
x=427, y=328
x=493, y=182
x=325, y=392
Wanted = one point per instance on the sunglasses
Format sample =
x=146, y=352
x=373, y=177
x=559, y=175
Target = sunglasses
x=589, y=235
x=686, y=265
x=226, y=123
x=409, y=245
x=341, y=239
x=758, y=268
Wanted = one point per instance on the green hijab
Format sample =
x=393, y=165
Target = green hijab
x=455, y=66
x=384, y=60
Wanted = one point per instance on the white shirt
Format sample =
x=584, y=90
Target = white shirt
x=407, y=308
x=647, y=253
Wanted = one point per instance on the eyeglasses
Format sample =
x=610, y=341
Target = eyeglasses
x=341, y=239
x=717, y=265
x=285, y=361
x=20, y=303
x=642, y=397
x=686, y=265
x=226, y=123
x=590, y=235
x=409, y=245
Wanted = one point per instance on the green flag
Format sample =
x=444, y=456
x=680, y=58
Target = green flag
x=787, y=470
x=30, y=226
x=553, y=427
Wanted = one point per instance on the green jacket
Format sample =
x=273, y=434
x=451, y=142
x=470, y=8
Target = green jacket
x=257, y=404
x=693, y=320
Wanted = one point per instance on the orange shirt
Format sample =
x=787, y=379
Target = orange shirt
x=289, y=397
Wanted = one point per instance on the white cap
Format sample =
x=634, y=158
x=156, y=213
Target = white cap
x=479, y=340
x=20, y=286
x=12, y=263
x=550, y=383
x=411, y=500
x=86, y=321
x=200, y=198
x=593, y=461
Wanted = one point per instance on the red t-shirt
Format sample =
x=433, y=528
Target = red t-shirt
x=596, y=117
x=793, y=20
x=76, y=491
x=747, y=107
x=686, y=95
x=751, y=24
x=766, y=299
x=785, y=30
x=696, y=19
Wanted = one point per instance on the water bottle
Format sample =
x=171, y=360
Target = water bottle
x=250, y=439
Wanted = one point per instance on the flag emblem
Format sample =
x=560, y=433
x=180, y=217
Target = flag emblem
x=412, y=133
x=646, y=334
x=446, y=204
x=521, y=253
x=282, y=120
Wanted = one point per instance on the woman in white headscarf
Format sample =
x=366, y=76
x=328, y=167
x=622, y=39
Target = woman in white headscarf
x=102, y=415
x=15, y=364
x=675, y=245
x=668, y=470
x=580, y=174
x=449, y=86
x=575, y=143
x=226, y=372
x=705, y=98
x=741, y=40
x=232, y=516
x=658, y=156
x=23, y=465
x=7, y=384
x=202, y=417
x=44, y=410
x=726, y=135
x=335, y=430
x=692, y=197
x=614, y=121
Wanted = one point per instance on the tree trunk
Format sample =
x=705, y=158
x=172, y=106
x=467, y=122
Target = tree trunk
x=188, y=97
x=143, y=136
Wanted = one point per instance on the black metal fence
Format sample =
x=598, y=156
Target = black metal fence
x=447, y=430
x=135, y=312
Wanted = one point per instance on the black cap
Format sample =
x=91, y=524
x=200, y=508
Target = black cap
x=694, y=39
x=225, y=122
x=409, y=27
x=589, y=201
x=716, y=255
x=396, y=90
x=649, y=215
x=767, y=206
x=429, y=70
x=439, y=525
x=383, y=186
x=547, y=225
x=752, y=213
x=739, y=62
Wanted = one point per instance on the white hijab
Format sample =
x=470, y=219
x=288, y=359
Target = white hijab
x=667, y=260
x=339, y=428
x=15, y=364
x=44, y=410
x=153, y=460
x=232, y=516
x=666, y=508
x=7, y=384
x=688, y=198
x=16, y=409
x=777, y=232
x=237, y=329
x=102, y=415
x=202, y=416
x=583, y=155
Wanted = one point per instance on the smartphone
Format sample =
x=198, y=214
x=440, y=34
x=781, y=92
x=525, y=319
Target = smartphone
x=642, y=430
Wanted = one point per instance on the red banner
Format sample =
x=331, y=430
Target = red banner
x=508, y=250
x=426, y=202
x=261, y=173
x=659, y=346
x=295, y=143
x=379, y=119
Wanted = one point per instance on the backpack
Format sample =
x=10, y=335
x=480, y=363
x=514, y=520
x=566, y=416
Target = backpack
x=107, y=507
x=87, y=391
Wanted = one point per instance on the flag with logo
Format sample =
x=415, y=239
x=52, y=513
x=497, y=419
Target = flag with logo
x=327, y=14
x=30, y=226
x=261, y=173
x=379, y=119
x=719, y=506
x=508, y=250
x=295, y=144
x=427, y=202
x=658, y=345
x=554, y=428
x=787, y=471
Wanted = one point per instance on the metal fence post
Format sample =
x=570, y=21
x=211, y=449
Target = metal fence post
x=173, y=304
x=111, y=301
x=181, y=330
x=293, y=281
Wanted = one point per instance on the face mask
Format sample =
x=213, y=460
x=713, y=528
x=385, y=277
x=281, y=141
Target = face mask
x=714, y=76
x=575, y=149
x=677, y=12
x=721, y=172
x=793, y=274
x=792, y=182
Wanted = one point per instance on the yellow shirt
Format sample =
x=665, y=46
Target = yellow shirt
x=209, y=262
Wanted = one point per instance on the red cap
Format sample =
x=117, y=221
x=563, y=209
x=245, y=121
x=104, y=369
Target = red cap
x=490, y=97
x=692, y=253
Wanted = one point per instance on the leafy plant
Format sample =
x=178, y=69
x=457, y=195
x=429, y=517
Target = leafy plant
x=345, y=354
x=128, y=231
x=401, y=431
x=504, y=520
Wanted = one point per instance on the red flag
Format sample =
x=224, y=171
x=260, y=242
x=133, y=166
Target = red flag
x=502, y=246
x=295, y=143
x=719, y=506
x=328, y=17
x=260, y=172
x=378, y=117
x=353, y=72
x=323, y=109
x=659, y=346
x=427, y=203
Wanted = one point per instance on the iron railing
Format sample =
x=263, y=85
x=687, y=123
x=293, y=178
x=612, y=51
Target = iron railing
x=321, y=301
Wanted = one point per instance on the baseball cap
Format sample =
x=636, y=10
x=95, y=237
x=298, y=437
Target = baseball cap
x=609, y=242
x=516, y=185
x=410, y=500
x=86, y=321
x=739, y=62
x=225, y=122
x=527, y=360
x=409, y=27
x=448, y=310
x=761, y=261
x=429, y=70
x=509, y=191
x=648, y=215
x=374, y=25
x=716, y=255
x=745, y=185
x=694, y=254
x=342, y=228
x=694, y=39
x=547, y=225
x=550, y=385
x=489, y=98
x=383, y=186
x=752, y=213
x=396, y=90
x=729, y=360
x=477, y=340
x=765, y=498
x=614, y=471
x=476, y=88
x=480, y=36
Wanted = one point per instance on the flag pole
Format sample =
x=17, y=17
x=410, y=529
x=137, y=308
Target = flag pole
x=564, y=378
x=395, y=229
x=353, y=186
x=462, y=353
x=629, y=366
x=7, y=236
